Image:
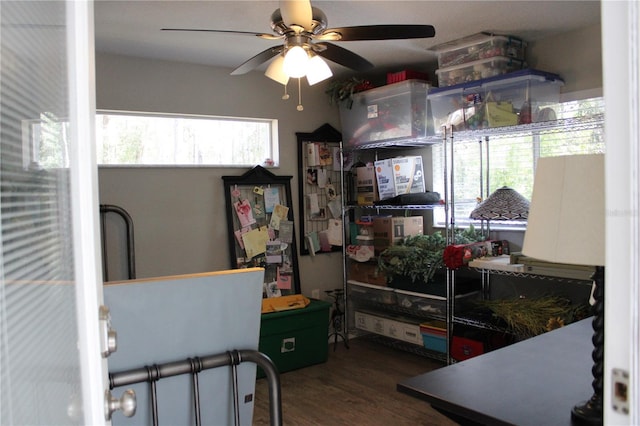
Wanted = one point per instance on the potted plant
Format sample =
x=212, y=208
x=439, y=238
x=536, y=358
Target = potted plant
x=417, y=258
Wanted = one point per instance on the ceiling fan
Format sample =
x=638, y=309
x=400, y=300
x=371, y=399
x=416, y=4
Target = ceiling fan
x=304, y=30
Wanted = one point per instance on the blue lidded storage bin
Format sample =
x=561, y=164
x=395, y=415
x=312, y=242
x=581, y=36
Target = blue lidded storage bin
x=520, y=97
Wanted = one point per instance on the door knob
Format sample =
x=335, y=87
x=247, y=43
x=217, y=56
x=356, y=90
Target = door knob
x=126, y=403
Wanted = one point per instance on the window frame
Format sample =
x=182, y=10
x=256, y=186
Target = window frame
x=273, y=161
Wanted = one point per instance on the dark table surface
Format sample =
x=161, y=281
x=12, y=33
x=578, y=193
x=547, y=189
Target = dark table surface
x=533, y=382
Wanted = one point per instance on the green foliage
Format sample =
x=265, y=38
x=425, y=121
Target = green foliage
x=468, y=235
x=343, y=90
x=420, y=256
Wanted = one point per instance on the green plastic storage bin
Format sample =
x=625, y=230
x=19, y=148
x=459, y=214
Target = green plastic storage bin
x=297, y=338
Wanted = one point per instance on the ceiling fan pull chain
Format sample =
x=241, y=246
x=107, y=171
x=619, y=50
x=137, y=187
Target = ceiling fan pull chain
x=299, y=107
x=286, y=95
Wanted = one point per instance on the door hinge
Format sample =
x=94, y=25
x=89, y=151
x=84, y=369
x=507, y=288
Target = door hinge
x=108, y=336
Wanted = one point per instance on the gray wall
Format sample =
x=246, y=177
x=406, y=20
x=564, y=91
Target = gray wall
x=179, y=213
x=576, y=56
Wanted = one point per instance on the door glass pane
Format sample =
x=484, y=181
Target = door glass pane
x=39, y=367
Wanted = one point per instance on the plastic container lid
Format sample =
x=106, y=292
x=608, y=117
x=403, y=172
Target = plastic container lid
x=474, y=39
x=523, y=75
x=519, y=75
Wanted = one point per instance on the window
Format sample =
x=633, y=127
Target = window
x=45, y=142
x=510, y=158
x=143, y=139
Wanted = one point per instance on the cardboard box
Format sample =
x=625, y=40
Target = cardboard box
x=368, y=322
x=366, y=186
x=390, y=230
x=367, y=273
x=403, y=331
x=384, y=179
x=389, y=327
x=408, y=175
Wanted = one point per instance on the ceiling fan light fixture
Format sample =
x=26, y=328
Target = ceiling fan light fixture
x=275, y=71
x=296, y=12
x=306, y=36
x=295, y=62
x=317, y=70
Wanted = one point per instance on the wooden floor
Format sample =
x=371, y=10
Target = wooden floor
x=356, y=386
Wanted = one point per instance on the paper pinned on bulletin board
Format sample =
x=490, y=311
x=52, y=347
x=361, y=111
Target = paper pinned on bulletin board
x=286, y=231
x=255, y=241
x=334, y=232
x=284, y=279
x=324, y=240
x=274, y=251
x=324, y=152
x=321, y=178
x=239, y=233
x=313, y=242
x=245, y=213
x=335, y=207
x=279, y=214
x=313, y=155
x=271, y=199
x=314, y=205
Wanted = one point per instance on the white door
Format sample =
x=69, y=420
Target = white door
x=621, y=84
x=51, y=371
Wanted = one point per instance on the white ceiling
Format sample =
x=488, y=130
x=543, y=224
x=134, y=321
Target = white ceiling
x=133, y=27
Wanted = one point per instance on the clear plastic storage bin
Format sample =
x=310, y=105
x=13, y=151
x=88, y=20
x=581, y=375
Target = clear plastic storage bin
x=532, y=94
x=363, y=292
x=477, y=47
x=478, y=70
x=408, y=301
x=395, y=112
x=521, y=97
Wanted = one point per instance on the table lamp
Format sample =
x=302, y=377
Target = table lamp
x=567, y=225
x=503, y=204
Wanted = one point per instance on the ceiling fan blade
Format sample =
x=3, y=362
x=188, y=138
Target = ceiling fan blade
x=342, y=56
x=377, y=32
x=296, y=13
x=202, y=30
x=254, y=62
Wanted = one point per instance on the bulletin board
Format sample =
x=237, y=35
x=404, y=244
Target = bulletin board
x=260, y=219
x=320, y=191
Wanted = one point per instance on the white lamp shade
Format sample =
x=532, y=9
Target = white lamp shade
x=295, y=62
x=275, y=70
x=317, y=70
x=567, y=213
